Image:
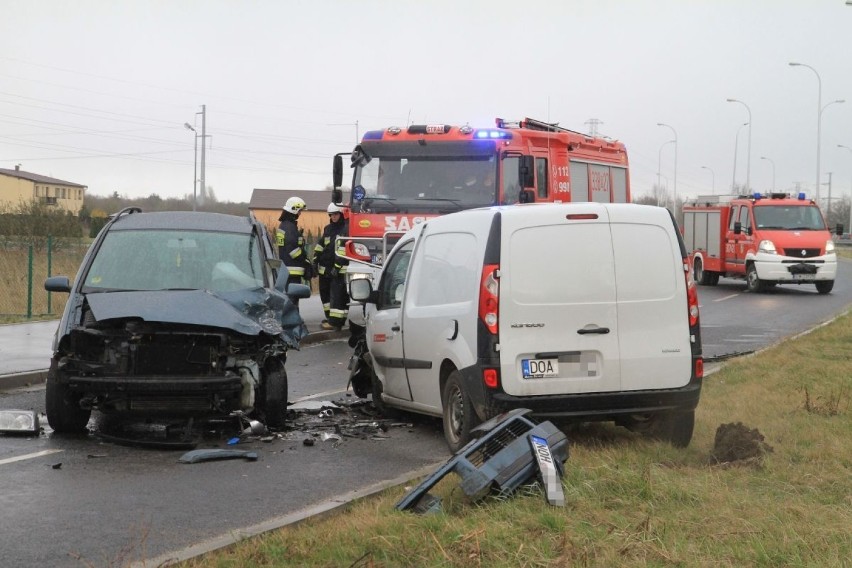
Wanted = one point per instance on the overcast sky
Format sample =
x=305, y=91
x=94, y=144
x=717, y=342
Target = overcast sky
x=97, y=92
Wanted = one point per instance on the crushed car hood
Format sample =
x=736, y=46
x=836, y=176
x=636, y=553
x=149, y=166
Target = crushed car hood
x=249, y=312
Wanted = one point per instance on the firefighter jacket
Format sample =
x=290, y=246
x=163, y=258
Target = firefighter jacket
x=291, y=247
x=324, y=258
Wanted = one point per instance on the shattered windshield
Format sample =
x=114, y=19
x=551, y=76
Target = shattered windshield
x=803, y=218
x=436, y=183
x=175, y=260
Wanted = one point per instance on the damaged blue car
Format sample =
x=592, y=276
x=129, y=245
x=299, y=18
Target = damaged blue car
x=174, y=313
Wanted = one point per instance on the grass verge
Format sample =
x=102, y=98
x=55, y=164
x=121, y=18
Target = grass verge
x=635, y=502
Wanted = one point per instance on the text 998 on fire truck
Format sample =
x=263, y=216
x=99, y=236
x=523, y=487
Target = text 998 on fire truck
x=765, y=239
x=404, y=176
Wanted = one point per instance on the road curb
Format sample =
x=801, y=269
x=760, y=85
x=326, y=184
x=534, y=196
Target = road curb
x=38, y=376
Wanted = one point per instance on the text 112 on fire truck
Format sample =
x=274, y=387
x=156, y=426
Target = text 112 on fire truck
x=764, y=239
x=403, y=176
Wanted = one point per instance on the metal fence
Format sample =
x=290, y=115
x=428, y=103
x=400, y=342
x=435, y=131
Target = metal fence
x=25, y=264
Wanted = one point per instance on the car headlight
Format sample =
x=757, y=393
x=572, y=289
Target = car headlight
x=767, y=247
x=829, y=246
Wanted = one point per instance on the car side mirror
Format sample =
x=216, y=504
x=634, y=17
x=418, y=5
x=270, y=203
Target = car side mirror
x=361, y=290
x=839, y=229
x=57, y=284
x=526, y=172
x=337, y=174
x=298, y=291
x=738, y=228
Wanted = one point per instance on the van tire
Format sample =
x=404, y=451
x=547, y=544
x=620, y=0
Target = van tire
x=753, y=282
x=676, y=428
x=824, y=286
x=63, y=406
x=459, y=416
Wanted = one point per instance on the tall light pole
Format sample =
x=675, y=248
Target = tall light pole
x=736, y=145
x=819, y=115
x=771, y=161
x=188, y=126
x=848, y=227
x=674, y=190
x=748, y=157
x=713, y=191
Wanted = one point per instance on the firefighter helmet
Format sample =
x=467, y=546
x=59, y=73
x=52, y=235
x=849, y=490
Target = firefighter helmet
x=294, y=205
x=332, y=208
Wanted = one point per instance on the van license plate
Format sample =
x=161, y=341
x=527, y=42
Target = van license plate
x=539, y=368
x=806, y=277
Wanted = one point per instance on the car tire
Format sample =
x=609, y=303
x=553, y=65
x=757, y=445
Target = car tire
x=458, y=413
x=63, y=406
x=676, y=428
x=753, y=282
x=824, y=286
x=272, y=394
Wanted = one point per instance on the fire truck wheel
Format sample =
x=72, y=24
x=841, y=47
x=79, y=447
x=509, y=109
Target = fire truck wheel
x=698, y=271
x=714, y=278
x=824, y=286
x=754, y=283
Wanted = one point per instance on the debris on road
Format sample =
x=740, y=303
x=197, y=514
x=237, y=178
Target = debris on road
x=211, y=454
x=19, y=422
x=735, y=442
x=507, y=451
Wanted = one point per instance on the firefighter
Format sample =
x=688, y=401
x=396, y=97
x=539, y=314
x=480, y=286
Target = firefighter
x=338, y=311
x=291, y=242
x=324, y=258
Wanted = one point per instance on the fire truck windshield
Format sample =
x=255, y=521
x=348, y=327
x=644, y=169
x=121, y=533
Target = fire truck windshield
x=801, y=218
x=432, y=183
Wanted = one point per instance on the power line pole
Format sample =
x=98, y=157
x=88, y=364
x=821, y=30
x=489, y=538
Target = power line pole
x=593, y=126
x=203, y=147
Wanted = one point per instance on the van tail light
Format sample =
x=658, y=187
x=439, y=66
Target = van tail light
x=699, y=368
x=691, y=295
x=491, y=378
x=489, y=297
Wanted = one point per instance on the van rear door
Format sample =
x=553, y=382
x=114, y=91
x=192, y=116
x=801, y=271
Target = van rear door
x=559, y=324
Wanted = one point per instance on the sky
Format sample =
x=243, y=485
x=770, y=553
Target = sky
x=97, y=92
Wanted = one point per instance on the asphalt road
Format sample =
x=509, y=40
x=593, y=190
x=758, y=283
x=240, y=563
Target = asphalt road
x=84, y=501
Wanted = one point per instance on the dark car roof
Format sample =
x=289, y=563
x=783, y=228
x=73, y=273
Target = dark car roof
x=184, y=220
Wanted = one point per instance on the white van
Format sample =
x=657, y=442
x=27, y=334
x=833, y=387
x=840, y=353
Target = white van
x=579, y=311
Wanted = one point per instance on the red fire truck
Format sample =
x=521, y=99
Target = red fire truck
x=764, y=239
x=403, y=176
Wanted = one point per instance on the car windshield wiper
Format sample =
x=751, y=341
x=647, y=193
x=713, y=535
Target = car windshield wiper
x=445, y=199
x=367, y=203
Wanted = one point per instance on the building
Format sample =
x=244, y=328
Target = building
x=266, y=204
x=18, y=187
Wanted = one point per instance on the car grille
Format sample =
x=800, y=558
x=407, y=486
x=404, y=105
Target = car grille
x=802, y=252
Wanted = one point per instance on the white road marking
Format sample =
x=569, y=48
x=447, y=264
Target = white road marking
x=29, y=456
x=726, y=298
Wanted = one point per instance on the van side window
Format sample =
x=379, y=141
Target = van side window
x=445, y=270
x=541, y=177
x=392, y=286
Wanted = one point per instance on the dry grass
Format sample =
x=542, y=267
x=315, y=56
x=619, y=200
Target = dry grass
x=635, y=502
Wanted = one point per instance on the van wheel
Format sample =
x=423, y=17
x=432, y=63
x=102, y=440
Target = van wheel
x=272, y=394
x=752, y=281
x=676, y=428
x=824, y=286
x=459, y=416
x=63, y=406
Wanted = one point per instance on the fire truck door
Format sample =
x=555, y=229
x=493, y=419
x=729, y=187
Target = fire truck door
x=741, y=242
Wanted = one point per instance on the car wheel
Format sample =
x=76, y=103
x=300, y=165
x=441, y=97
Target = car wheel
x=459, y=416
x=752, y=281
x=676, y=428
x=63, y=406
x=272, y=394
x=824, y=286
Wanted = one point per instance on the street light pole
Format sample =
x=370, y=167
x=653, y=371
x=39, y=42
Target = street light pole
x=736, y=145
x=674, y=190
x=659, y=165
x=748, y=157
x=819, y=115
x=771, y=161
x=713, y=191
x=194, y=162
